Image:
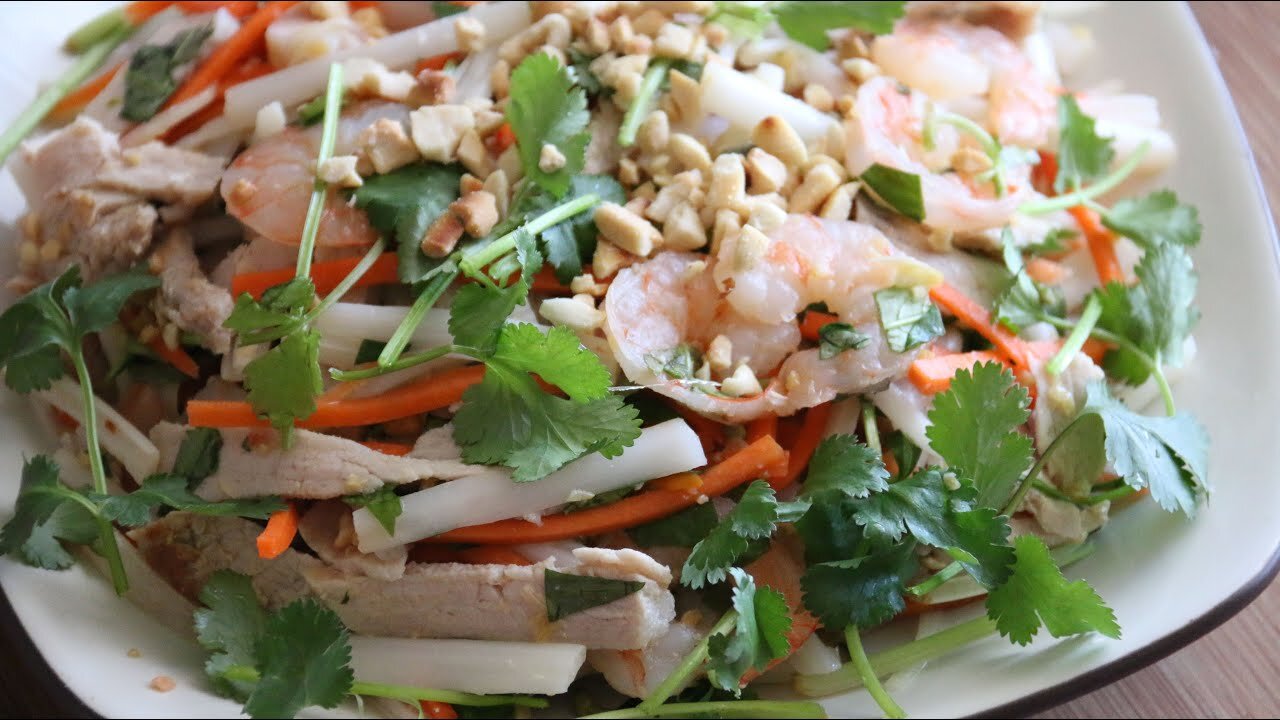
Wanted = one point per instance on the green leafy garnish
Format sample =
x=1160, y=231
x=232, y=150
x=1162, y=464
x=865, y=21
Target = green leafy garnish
x=1156, y=315
x=229, y=627
x=402, y=204
x=568, y=594
x=1083, y=155
x=148, y=82
x=909, y=319
x=384, y=504
x=679, y=362
x=284, y=383
x=841, y=465
x=1154, y=220
x=683, y=529
x=312, y=111
x=896, y=189
x=444, y=9
x=546, y=108
x=42, y=516
x=974, y=427
x=369, y=351
x=569, y=244
x=759, y=634
x=1037, y=594
x=837, y=337
x=198, y=455
x=808, y=23
x=864, y=591
x=1024, y=301
x=171, y=491
x=744, y=530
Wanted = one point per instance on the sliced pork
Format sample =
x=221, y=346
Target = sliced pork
x=187, y=298
x=328, y=530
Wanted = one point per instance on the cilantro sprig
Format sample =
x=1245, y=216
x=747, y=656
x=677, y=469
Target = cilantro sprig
x=548, y=108
x=745, y=530
x=297, y=657
x=148, y=81
x=1037, y=594
x=806, y=22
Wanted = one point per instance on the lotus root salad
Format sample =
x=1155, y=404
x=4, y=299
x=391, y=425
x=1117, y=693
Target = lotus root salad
x=607, y=359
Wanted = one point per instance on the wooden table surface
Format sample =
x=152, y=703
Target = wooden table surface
x=1235, y=670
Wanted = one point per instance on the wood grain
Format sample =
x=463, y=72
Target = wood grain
x=1235, y=670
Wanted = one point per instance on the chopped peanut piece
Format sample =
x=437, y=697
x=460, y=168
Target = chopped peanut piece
x=839, y=205
x=674, y=41
x=750, y=249
x=609, y=259
x=435, y=87
x=386, y=146
x=550, y=159
x=720, y=353
x=728, y=187
x=768, y=173
x=818, y=183
x=683, y=229
x=498, y=186
x=655, y=132
x=626, y=229
x=572, y=313
x=685, y=96
x=469, y=33
x=269, y=121
x=689, y=152
x=340, y=171
x=478, y=211
x=742, y=383
x=819, y=97
x=859, y=69
x=776, y=137
x=473, y=155
x=442, y=236
x=437, y=130
x=726, y=224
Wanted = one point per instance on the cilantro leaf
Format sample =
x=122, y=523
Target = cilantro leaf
x=1024, y=301
x=30, y=534
x=837, y=337
x=1156, y=219
x=842, y=464
x=312, y=111
x=1037, y=593
x=229, y=627
x=546, y=108
x=865, y=591
x=1083, y=155
x=478, y=311
x=974, y=427
x=923, y=506
x=1157, y=314
x=905, y=453
x=508, y=419
x=679, y=362
x=94, y=307
x=808, y=23
x=744, y=20
x=684, y=529
x=898, y=190
x=568, y=594
x=402, y=204
x=909, y=320
x=302, y=654
x=384, y=504
x=278, y=312
x=283, y=384
x=1052, y=242
x=569, y=243
x=1168, y=454
x=444, y=9
x=759, y=634
x=171, y=491
x=148, y=81
x=35, y=369
x=829, y=530
x=752, y=520
x=369, y=351
x=70, y=522
x=198, y=454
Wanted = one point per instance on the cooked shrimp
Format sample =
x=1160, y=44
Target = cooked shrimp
x=887, y=128
x=953, y=60
x=671, y=299
x=268, y=187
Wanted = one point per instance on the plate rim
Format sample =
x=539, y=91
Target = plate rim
x=70, y=704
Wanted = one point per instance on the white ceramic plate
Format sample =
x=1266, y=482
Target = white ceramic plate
x=1169, y=580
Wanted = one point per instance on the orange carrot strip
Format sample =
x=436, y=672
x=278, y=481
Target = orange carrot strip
x=438, y=710
x=177, y=357
x=277, y=536
x=432, y=392
x=762, y=426
x=976, y=318
x=249, y=40
x=502, y=138
x=547, y=283
x=492, y=555
x=438, y=62
x=388, y=448
x=780, y=568
x=1102, y=245
x=1044, y=270
x=815, y=421
x=813, y=322
x=239, y=10
x=1044, y=173
x=326, y=275
x=1095, y=349
x=747, y=464
x=140, y=12
x=933, y=375
x=75, y=101
x=710, y=432
x=679, y=481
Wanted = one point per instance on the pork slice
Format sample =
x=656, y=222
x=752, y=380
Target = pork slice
x=68, y=158
x=1057, y=522
x=502, y=602
x=186, y=549
x=170, y=175
x=327, y=529
x=437, y=444
x=187, y=297
x=253, y=463
x=1014, y=18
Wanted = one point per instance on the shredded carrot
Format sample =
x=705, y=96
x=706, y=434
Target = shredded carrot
x=976, y=318
x=278, y=535
x=501, y=139
x=710, y=432
x=248, y=41
x=239, y=9
x=326, y=276
x=1044, y=270
x=177, y=357
x=388, y=448
x=933, y=375
x=811, y=431
x=425, y=394
x=813, y=322
x=438, y=710
x=492, y=555
x=140, y=12
x=1045, y=172
x=253, y=67
x=77, y=99
x=646, y=506
x=1102, y=245
x=780, y=568
x=680, y=481
x=439, y=62
x=762, y=426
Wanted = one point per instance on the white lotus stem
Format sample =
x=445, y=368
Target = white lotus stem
x=487, y=667
x=118, y=436
x=725, y=89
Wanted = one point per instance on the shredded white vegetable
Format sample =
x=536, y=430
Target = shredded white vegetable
x=475, y=666
x=118, y=436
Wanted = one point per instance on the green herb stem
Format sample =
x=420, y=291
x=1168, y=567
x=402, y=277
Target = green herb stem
x=348, y=282
x=401, y=364
x=1075, y=341
x=897, y=659
x=936, y=580
x=1098, y=189
x=720, y=709
x=320, y=190
x=79, y=71
x=639, y=109
x=858, y=658
x=473, y=262
x=687, y=667
x=1152, y=364
x=432, y=289
x=106, y=533
x=247, y=674
x=869, y=426
x=1024, y=486
x=96, y=30
x=1091, y=499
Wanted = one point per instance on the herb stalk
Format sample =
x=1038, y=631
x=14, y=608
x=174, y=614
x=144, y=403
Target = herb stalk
x=1075, y=341
x=432, y=289
x=404, y=693
x=106, y=533
x=858, y=658
x=1083, y=195
x=472, y=263
x=320, y=190
x=687, y=667
x=639, y=109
